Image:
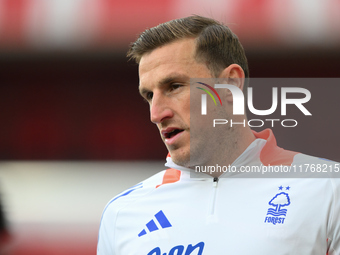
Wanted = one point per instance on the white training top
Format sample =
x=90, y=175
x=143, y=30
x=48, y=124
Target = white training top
x=179, y=212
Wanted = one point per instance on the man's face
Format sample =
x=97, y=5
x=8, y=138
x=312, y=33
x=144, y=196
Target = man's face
x=165, y=83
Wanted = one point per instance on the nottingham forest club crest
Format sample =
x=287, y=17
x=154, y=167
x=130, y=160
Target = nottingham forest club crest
x=276, y=214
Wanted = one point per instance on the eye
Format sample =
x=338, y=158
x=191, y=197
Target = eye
x=148, y=96
x=175, y=86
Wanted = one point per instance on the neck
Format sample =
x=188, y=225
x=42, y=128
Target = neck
x=228, y=149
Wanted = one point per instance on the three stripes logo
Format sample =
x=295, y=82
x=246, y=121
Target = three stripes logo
x=204, y=97
x=161, y=219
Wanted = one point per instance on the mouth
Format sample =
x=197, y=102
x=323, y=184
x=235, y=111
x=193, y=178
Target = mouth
x=171, y=134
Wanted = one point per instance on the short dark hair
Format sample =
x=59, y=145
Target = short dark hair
x=216, y=44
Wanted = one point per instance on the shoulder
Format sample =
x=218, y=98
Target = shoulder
x=142, y=189
x=301, y=158
x=106, y=236
x=135, y=192
x=316, y=165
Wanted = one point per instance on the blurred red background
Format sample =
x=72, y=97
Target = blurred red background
x=67, y=91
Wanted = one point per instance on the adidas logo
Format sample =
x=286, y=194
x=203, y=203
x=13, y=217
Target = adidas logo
x=152, y=226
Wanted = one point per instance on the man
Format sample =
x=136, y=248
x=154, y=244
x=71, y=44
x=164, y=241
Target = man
x=183, y=211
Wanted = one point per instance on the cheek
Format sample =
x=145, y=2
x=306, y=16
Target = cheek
x=183, y=107
x=186, y=112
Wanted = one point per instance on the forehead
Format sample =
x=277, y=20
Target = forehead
x=177, y=56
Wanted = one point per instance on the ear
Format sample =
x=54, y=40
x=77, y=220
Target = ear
x=233, y=75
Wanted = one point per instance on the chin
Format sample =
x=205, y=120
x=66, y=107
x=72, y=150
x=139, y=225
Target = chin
x=181, y=159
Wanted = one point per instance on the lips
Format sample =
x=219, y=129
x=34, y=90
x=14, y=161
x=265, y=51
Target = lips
x=171, y=135
x=171, y=132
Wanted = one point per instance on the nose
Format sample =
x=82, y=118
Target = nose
x=160, y=109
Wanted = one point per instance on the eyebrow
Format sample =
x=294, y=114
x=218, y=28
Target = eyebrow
x=173, y=77
x=167, y=80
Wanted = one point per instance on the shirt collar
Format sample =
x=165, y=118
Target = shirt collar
x=264, y=144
